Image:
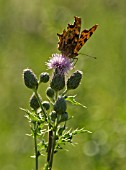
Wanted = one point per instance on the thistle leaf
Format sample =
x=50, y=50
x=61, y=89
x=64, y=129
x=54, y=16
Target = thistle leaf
x=73, y=101
x=30, y=115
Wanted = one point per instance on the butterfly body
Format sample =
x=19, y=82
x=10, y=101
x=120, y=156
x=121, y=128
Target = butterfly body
x=71, y=40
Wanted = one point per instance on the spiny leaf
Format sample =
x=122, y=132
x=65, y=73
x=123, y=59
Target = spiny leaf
x=33, y=156
x=73, y=101
x=25, y=110
x=31, y=115
x=68, y=136
x=78, y=131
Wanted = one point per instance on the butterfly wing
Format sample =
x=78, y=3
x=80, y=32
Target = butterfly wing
x=74, y=30
x=85, y=35
x=69, y=38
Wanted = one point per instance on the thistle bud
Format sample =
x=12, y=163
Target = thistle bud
x=60, y=105
x=53, y=115
x=64, y=117
x=50, y=92
x=44, y=77
x=34, y=102
x=46, y=105
x=74, y=80
x=30, y=79
x=57, y=82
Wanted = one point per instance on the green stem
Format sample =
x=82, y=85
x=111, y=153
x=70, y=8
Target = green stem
x=50, y=136
x=64, y=92
x=36, y=149
x=53, y=147
x=51, y=141
x=39, y=101
x=56, y=95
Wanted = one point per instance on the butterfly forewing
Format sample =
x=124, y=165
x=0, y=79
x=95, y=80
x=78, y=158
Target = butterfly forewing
x=85, y=35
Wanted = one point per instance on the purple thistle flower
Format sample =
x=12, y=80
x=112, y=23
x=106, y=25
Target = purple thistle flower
x=60, y=62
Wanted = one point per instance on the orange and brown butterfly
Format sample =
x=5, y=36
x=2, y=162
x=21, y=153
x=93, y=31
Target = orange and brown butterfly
x=71, y=40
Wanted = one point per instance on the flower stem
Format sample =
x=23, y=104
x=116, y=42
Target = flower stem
x=64, y=92
x=35, y=143
x=37, y=96
x=51, y=141
x=53, y=147
x=50, y=136
x=56, y=97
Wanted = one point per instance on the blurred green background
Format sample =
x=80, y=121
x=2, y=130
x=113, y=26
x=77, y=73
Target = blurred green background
x=28, y=37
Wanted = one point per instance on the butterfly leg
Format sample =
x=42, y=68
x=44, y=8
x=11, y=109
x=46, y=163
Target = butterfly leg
x=74, y=61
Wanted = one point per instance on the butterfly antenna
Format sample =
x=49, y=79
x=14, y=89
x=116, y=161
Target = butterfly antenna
x=88, y=55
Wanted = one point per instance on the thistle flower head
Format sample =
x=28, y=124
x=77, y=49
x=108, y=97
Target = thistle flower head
x=58, y=81
x=30, y=79
x=74, y=80
x=34, y=102
x=60, y=105
x=46, y=105
x=44, y=77
x=60, y=62
x=50, y=92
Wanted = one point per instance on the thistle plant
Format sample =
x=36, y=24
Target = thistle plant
x=48, y=119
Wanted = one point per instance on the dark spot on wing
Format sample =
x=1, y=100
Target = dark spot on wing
x=81, y=44
x=91, y=33
x=71, y=26
x=85, y=31
x=85, y=39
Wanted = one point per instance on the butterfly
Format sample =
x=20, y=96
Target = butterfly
x=72, y=40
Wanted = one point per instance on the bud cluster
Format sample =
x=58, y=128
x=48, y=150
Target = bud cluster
x=57, y=83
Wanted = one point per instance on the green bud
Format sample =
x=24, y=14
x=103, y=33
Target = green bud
x=34, y=102
x=44, y=77
x=58, y=82
x=50, y=92
x=30, y=79
x=64, y=117
x=74, y=80
x=46, y=105
x=53, y=115
x=60, y=105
